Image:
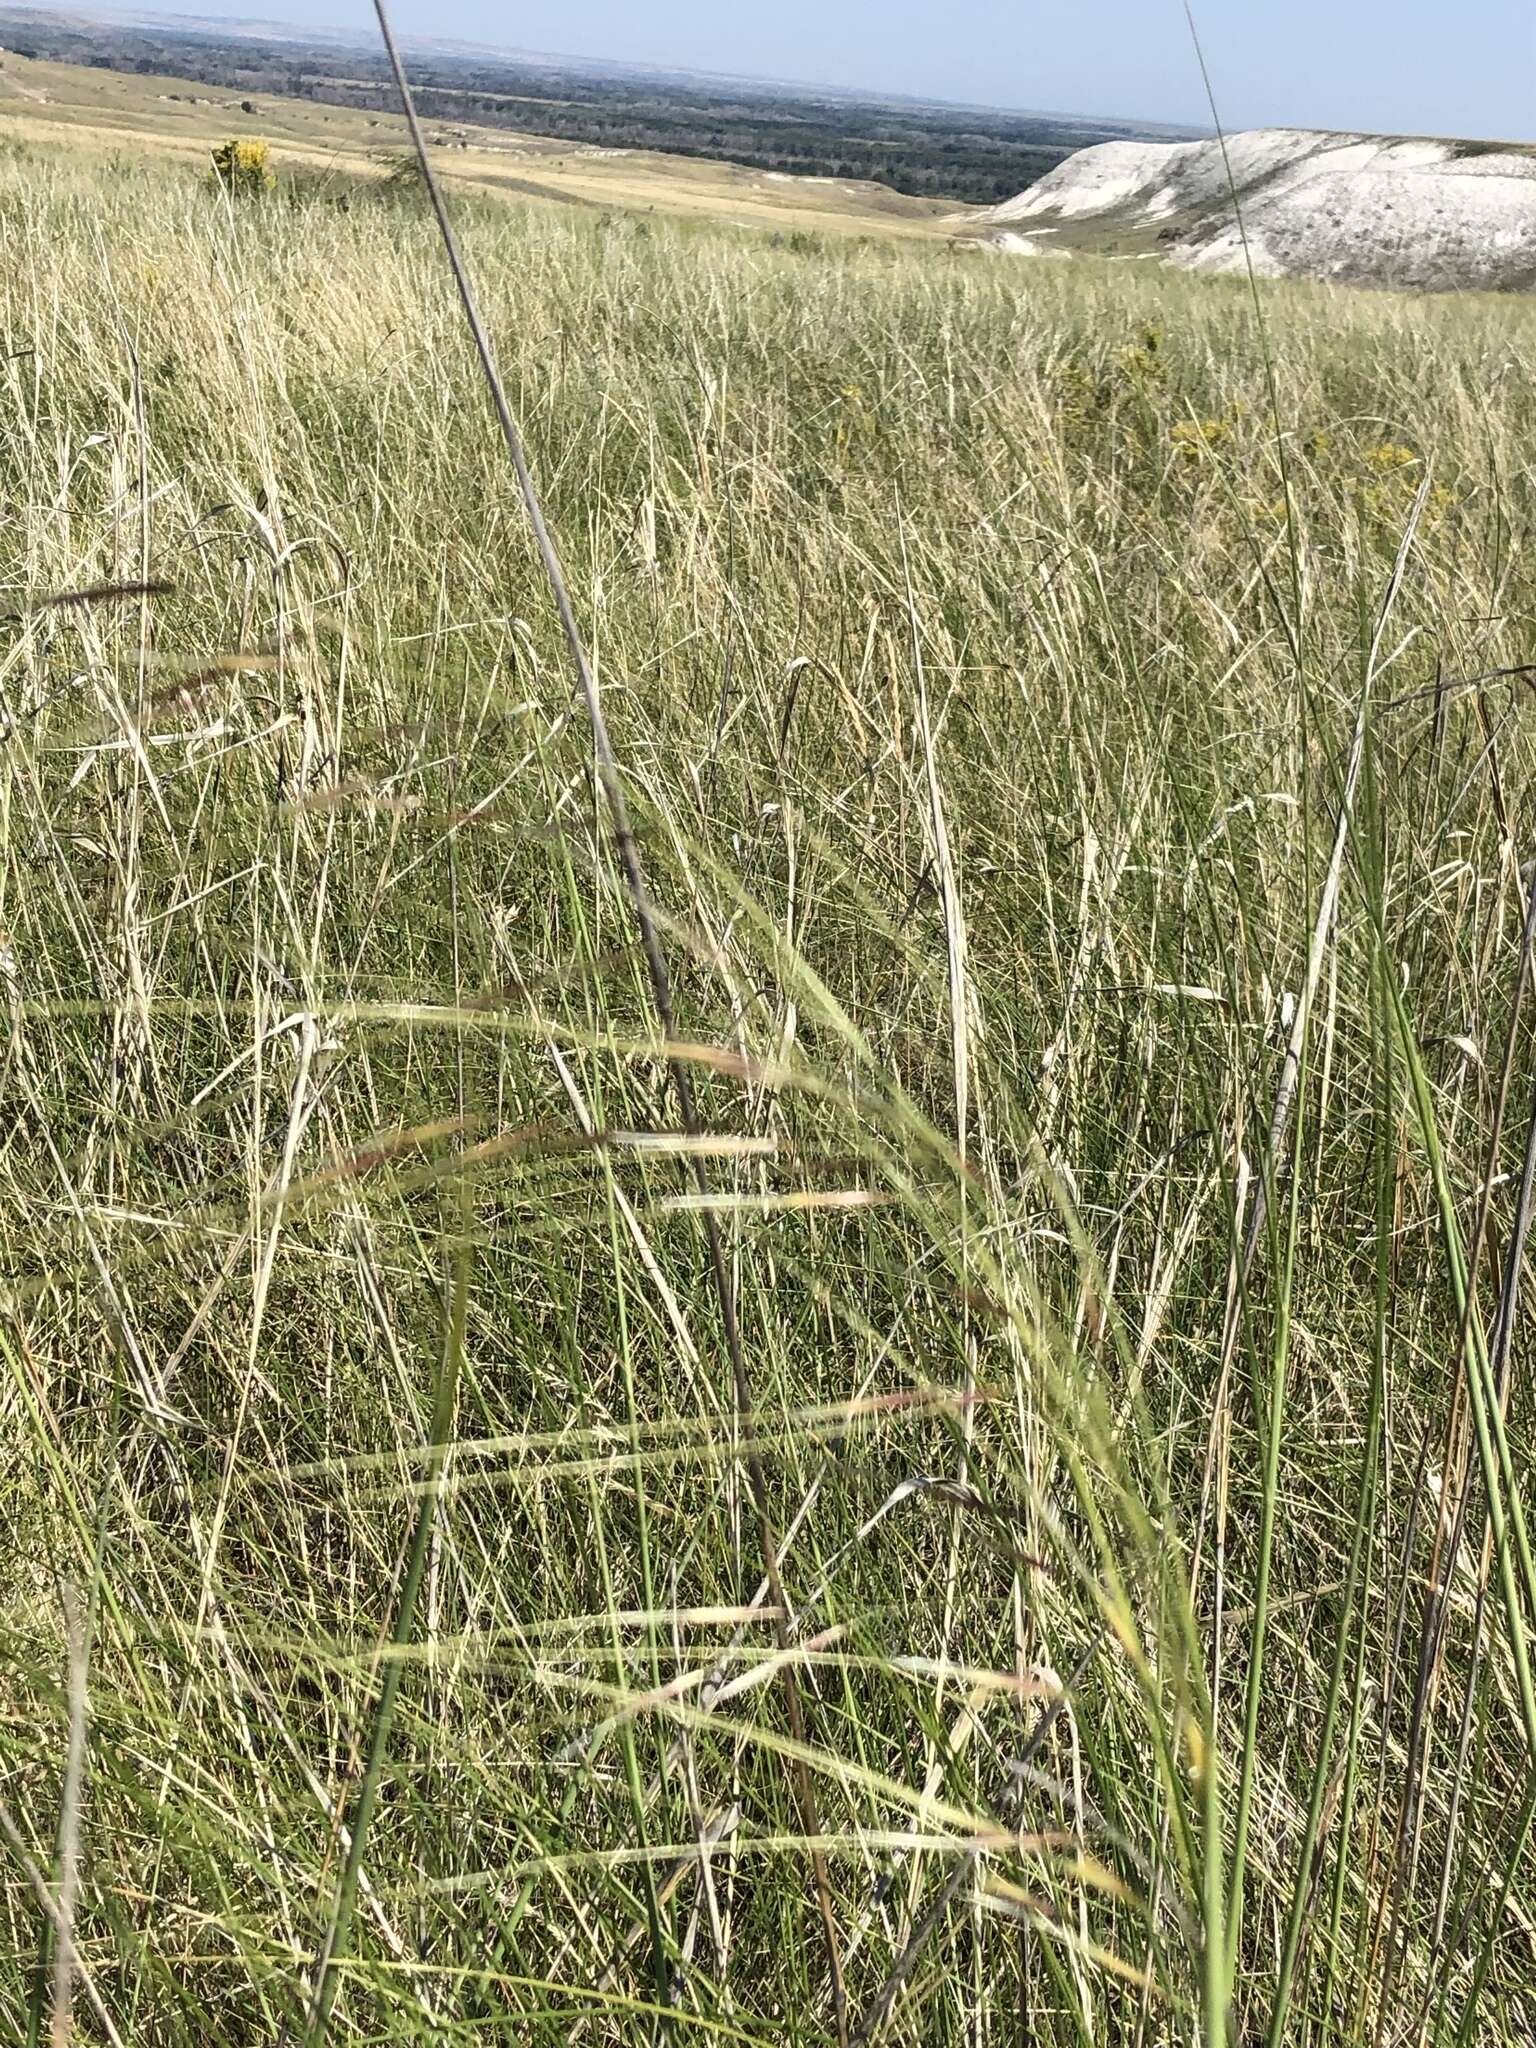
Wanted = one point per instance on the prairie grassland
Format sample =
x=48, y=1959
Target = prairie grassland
x=74, y=107
x=1051, y=744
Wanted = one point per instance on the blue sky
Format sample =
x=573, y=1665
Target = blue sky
x=1454, y=67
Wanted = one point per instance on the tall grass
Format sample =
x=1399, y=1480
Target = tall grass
x=387, y=1651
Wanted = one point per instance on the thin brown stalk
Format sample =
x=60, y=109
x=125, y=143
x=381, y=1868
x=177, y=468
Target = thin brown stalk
x=1444, y=687
x=95, y=593
x=661, y=994
x=61, y=2019
x=63, y=1932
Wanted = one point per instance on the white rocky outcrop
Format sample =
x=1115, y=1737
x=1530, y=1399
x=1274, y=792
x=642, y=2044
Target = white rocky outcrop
x=1363, y=209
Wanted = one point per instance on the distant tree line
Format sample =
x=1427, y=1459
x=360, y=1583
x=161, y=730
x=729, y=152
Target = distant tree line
x=922, y=151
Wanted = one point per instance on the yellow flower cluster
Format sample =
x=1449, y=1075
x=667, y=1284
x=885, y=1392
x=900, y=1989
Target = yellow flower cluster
x=1193, y=438
x=1141, y=360
x=1387, y=456
x=1385, y=501
x=243, y=165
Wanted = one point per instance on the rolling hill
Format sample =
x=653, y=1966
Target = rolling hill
x=1411, y=212
x=51, y=105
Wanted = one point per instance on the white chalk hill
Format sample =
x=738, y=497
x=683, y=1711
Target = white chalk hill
x=1358, y=209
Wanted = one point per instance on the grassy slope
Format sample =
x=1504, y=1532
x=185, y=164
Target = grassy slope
x=79, y=107
x=984, y=735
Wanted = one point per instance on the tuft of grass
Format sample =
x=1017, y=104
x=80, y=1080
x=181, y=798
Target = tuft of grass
x=1055, y=738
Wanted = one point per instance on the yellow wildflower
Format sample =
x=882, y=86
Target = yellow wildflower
x=1193, y=438
x=1387, y=456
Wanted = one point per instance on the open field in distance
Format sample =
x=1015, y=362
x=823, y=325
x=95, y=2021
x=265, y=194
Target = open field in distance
x=970, y=155
x=1077, y=723
x=77, y=107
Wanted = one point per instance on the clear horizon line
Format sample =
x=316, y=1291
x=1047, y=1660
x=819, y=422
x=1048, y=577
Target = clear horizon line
x=163, y=16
